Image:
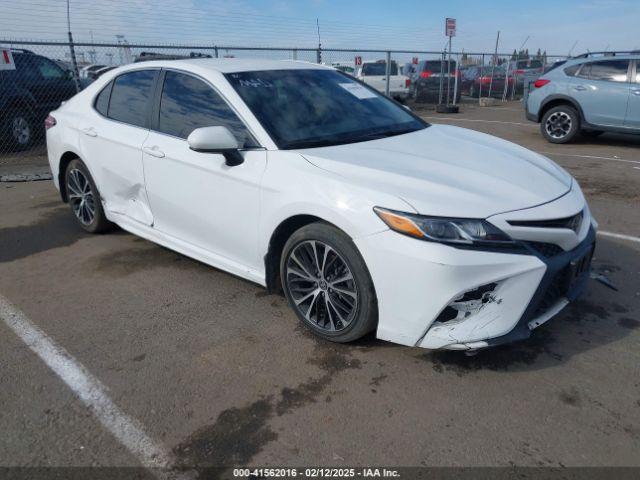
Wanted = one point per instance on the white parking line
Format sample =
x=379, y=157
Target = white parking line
x=481, y=121
x=594, y=157
x=620, y=236
x=89, y=389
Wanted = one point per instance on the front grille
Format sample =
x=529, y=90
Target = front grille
x=547, y=250
x=573, y=222
x=558, y=288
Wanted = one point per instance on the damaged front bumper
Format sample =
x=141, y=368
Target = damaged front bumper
x=439, y=297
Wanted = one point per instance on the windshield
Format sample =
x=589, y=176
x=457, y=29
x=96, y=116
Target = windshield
x=316, y=108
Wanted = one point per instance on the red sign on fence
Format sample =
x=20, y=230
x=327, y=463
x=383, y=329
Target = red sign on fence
x=414, y=60
x=6, y=60
x=450, y=27
x=358, y=61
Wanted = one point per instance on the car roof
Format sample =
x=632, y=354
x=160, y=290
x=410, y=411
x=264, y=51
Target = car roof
x=231, y=65
x=580, y=60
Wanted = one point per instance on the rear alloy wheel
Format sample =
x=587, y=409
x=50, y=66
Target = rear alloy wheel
x=327, y=284
x=84, y=198
x=19, y=128
x=560, y=124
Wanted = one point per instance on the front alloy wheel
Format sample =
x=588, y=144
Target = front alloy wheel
x=327, y=283
x=322, y=286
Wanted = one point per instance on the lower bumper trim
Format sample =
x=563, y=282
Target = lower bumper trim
x=549, y=314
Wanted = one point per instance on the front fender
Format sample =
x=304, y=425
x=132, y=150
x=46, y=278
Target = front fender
x=293, y=186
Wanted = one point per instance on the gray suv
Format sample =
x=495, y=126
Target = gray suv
x=588, y=95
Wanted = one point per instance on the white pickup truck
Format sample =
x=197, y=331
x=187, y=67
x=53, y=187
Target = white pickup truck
x=374, y=75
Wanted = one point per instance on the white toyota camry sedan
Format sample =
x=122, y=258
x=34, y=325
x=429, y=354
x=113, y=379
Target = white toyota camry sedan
x=298, y=177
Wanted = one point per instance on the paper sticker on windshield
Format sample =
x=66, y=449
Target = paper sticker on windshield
x=255, y=83
x=358, y=91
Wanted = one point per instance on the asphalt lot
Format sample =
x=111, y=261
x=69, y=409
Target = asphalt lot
x=217, y=372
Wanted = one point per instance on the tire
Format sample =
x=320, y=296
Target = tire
x=443, y=108
x=591, y=133
x=19, y=129
x=84, y=198
x=560, y=124
x=418, y=96
x=338, y=311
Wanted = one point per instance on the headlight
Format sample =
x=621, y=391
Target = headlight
x=462, y=231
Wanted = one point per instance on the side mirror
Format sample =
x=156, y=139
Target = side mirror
x=216, y=140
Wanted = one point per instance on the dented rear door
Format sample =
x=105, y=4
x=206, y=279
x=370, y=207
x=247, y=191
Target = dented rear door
x=116, y=152
x=112, y=143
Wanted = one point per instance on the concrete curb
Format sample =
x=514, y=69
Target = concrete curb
x=25, y=177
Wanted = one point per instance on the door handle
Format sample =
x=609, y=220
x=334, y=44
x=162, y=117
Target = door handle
x=90, y=132
x=636, y=92
x=580, y=88
x=153, y=151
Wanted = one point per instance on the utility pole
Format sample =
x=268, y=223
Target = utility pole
x=493, y=64
x=74, y=63
x=319, y=56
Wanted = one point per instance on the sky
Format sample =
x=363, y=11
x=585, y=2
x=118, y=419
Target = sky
x=551, y=25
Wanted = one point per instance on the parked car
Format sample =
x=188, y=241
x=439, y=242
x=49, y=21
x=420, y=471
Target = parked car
x=36, y=86
x=149, y=56
x=375, y=75
x=84, y=72
x=299, y=178
x=524, y=67
x=589, y=96
x=428, y=78
x=525, y=72
x=97, y=73
x=346, y=67
x=478, y=80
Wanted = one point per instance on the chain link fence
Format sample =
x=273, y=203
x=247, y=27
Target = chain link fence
x=48, y=73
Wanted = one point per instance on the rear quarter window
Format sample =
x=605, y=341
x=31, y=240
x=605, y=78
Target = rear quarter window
x=572, y=70
x=102, y=100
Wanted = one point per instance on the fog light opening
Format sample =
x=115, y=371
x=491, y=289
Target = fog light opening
x=469, y=303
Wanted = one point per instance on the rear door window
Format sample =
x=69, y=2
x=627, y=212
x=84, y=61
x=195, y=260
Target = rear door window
x=188, y=103
x=131, y=97
x=607, y=70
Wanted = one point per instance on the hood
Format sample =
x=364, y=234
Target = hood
x=448, y=171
